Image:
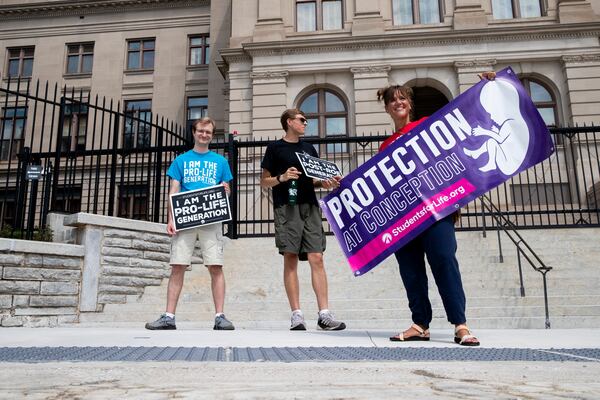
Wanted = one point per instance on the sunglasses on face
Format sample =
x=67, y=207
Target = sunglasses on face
x=302, y=120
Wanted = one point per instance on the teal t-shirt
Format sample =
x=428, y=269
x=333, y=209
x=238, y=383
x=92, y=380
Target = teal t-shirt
x=199, y=170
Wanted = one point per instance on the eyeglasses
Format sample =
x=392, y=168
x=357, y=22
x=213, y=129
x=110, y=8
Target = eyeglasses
x=302, y=120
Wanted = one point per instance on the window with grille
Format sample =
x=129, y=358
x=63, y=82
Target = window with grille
x=409, y=12
x=199, y=50
x=316, y=15
x=140, y=54
x=133, y=201
x=327, y=116
x=20, y=62
x=197, y=107
x=68, y=199
x=80, y=58
x=74, y=127
x=12, y=125
x=508, y=9
x=138, y=124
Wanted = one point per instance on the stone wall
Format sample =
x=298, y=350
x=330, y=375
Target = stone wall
x=39, y=283
x=122, y=257
x=46, y=284
x=131, y=260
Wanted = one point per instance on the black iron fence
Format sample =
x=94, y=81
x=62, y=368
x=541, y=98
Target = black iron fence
x=67, y=151
x=563, y=191
x=102, y=157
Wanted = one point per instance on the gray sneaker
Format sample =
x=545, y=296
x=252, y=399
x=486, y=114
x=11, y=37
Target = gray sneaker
x=223, y=324
x=298, y=323
x=328, y=322
x=162, y=323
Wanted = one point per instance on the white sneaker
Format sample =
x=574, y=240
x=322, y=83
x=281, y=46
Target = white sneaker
x=298, y=323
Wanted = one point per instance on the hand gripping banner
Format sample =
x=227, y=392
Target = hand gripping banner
x=476, y=142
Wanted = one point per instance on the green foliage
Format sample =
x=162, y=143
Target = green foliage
x=43, y=234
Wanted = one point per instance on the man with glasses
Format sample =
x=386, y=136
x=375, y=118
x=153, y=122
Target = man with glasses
x=299, y=231
x=196, y=169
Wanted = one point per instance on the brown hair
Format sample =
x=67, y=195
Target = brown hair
x=204, y=121
x=290, y=113
x=388, y=93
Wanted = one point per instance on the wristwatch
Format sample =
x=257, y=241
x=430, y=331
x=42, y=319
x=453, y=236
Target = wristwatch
x=277, y=177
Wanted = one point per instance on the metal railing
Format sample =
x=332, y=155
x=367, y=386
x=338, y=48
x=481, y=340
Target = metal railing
x=524, y=251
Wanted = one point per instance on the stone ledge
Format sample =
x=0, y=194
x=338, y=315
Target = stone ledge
x=81, y=219
x=45, y=248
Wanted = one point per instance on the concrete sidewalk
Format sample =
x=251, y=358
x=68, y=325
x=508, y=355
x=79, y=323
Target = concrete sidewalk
x=190, y=336
x=510, y=364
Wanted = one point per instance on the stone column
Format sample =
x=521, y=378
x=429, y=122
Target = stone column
x=240, y=95
x=468, y=14
x=570, y=11
x=269, y=26
x=269, y=90
x=370, y=115
x=367, y=18
x=91, y=239
x=583, y=82
x=220, y=31
x=467, y=72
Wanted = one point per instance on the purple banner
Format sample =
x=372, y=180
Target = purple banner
x=476, y=142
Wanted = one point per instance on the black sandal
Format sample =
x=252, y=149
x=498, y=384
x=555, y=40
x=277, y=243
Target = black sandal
x=423, y=335
x=465, y=340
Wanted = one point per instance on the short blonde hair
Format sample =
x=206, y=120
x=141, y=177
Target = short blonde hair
x=204, y=121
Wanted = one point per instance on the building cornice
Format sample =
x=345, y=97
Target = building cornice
x=104, y=27
x=581, y=58
x=86, y=7
x=417, y=39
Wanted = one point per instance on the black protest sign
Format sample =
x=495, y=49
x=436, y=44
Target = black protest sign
x=200, y=207
x=316, y=168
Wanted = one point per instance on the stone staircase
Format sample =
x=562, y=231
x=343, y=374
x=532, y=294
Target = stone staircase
x=256, y=297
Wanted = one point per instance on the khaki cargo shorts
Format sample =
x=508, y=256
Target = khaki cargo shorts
x=299, y=230
x=210, y=239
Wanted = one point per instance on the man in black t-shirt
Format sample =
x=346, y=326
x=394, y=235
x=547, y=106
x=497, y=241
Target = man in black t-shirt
x=298, y=222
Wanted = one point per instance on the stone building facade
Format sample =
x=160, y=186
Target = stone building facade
x=275, y=61
x=243, y=61
x=154, y=55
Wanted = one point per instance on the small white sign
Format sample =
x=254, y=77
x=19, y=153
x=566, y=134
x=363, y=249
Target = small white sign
x=317, y=168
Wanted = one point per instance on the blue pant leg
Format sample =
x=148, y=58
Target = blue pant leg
x=439, y=242
x=411, y=262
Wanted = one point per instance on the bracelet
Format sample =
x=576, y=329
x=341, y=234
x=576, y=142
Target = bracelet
x=277, y=177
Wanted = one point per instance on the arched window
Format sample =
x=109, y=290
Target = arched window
x=327, y=116
x=543, y=99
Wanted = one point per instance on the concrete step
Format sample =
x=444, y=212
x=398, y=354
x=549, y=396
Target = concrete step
x=393, y=324
x=256, y=296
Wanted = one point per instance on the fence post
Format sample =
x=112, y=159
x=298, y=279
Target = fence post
x=59, y=135
x=113, y=164
x=24, y=158
x=157, y=175
x=46, y=199
x=233, y=164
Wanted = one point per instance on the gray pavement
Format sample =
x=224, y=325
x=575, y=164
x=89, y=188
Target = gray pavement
x=189, y=335
x=418, y=373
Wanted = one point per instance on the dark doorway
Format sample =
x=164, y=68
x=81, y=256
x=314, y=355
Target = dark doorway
x=427, y=100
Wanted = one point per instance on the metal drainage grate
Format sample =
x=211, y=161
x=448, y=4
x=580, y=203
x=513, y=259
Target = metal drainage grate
x=289, y=354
